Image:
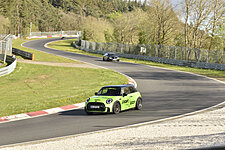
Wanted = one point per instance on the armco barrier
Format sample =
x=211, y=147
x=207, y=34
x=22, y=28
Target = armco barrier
x=23, y=53
x=86, y=46
x=10, y=68
x=56, y=34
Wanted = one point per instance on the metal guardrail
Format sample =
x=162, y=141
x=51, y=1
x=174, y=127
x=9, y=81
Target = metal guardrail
x=10, y=68
x=76, y=34
x=55, y=33
x=6, y=55
x=174, y=55
x=23, y=53
x=160, y=51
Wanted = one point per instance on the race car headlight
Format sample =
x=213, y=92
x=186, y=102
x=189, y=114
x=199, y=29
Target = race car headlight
x=88, y=100
x=108, y=101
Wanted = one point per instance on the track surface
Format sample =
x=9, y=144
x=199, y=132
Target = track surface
x=165, y=93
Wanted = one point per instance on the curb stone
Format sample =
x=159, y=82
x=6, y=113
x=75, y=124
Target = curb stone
x=40, y=113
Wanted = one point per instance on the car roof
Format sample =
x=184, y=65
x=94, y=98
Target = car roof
x=110, y=53
x=124, y=85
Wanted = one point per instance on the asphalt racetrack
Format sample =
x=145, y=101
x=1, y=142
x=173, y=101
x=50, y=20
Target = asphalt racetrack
x=165, y=93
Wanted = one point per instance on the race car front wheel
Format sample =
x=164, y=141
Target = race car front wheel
x=139, y=104
x=116, y=108
x=88, y=113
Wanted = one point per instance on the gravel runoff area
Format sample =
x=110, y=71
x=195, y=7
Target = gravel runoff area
x=204, y=129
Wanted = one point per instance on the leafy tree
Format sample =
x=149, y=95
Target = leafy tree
x=4, y=26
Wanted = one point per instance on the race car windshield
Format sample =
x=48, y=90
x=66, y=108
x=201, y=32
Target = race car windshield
x=110, y=91
x=111, y=55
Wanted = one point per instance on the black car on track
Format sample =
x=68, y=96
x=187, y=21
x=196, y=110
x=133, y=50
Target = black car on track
x=109, y=56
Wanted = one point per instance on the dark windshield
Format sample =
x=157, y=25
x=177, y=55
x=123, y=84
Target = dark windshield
x=111, y=55
x=110, y=91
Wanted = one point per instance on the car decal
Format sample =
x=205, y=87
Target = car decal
x=132, y=102
x=124, y=101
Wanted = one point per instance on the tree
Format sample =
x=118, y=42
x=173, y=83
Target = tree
x=163, y=20
x=219, y=36
x=4, y=26
x=94, y=29
x=127, y=27
x=201, y=11
x=187, y=7
x=218, y=12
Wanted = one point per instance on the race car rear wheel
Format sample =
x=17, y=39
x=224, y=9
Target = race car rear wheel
x=138, y=104
x=116, y=108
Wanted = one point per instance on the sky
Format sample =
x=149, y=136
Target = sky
x=174, y=2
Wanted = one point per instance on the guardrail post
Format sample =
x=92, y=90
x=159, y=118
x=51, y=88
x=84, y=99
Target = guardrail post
x=175, y=53
x=182, y=53
x=217, y=56
x=5, y=52
x=168, y=49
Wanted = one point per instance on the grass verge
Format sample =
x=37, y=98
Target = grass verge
x=37, y=87
x=40, y=56
x=33, y=87
x=66, y=46
x=2, y=64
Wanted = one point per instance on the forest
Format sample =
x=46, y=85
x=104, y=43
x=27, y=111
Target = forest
x=191, y=23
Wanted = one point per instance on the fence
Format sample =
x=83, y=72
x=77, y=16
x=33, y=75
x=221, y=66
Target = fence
x=6, y=54
x=6, y=46
x=2, y=36
x=210, y=59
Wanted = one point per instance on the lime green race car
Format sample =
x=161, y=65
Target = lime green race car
x=113, y=99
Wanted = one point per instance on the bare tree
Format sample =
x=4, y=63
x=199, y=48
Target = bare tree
x=187, y=7
x=218, y=11
x=162, y=13
x=127, y=26
x=201, y=12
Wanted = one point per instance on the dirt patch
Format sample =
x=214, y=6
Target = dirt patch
x=80, y=65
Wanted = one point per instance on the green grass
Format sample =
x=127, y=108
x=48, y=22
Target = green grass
x=36, y=87
x=66, y=46
x=2, y=64
x=40, y=56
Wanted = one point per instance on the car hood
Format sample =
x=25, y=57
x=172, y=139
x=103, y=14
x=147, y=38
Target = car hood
x=103, y=98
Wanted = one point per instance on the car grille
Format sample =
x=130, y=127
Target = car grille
x=95, y=106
